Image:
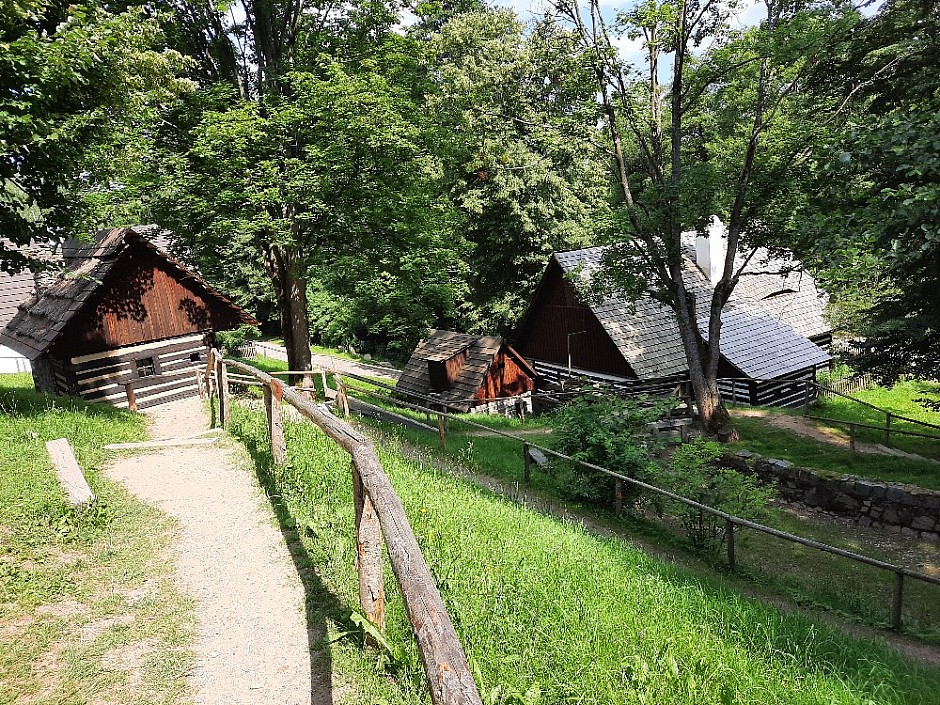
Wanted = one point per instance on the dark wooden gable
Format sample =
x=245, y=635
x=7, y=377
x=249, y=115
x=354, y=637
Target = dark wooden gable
x=144, y=298
x=554, y=313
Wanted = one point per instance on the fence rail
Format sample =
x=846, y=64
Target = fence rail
x=900, y=573
x=379, y=515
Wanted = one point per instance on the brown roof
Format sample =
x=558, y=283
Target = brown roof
x=442, y=345
x=41, y=320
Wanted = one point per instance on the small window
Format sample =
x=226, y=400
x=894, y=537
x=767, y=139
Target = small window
x=146, y=367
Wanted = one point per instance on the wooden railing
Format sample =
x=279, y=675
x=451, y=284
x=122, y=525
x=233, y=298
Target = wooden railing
x=379, y=514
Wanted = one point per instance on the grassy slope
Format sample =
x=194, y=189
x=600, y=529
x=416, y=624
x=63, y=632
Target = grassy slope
x=542, y=606
x=760, y=437
x=899, y=399
x=87, y=606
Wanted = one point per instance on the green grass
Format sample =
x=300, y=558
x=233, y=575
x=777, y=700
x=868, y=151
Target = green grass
x=900, y=400
x=338, y=352
x=88, y=607
x=543, y=607
x=803, y=575
x=759, y=436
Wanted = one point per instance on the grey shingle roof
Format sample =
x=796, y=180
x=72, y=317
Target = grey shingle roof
x=14, y=290
x=647, y=335
x=442, y=345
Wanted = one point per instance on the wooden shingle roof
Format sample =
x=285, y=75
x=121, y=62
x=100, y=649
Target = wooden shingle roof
x=41, y=319
x=769, y=295
x=442, y=345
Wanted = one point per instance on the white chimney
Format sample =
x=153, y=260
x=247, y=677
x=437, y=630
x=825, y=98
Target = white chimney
x=710, y=251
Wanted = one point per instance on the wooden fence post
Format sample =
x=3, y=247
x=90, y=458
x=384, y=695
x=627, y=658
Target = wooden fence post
x=326, y=387
x=202, y=390
x=131, y=397
x=272, y=409
x=441, y=431
x=369, y=559
x=221, y=380
x=729, y=538
x=341, y=394
x=618, y=496
x=888, y=428
x=851, y=436
x=527, y=460
x=805, y=396
x=898, y=602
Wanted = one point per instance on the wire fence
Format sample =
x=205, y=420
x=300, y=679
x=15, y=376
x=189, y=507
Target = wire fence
x=733, y=523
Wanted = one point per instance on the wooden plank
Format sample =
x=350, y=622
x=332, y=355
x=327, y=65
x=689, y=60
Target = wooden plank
x=538, y=456
x=69, y=473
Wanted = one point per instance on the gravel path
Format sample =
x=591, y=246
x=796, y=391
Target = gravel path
x=254, y=644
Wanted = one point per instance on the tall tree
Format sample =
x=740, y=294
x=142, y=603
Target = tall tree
x=876, y=211
x=716, y=138
x=71, y=74
x=519, y=114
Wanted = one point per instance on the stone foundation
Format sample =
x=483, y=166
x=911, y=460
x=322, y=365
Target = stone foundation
x=900, y=508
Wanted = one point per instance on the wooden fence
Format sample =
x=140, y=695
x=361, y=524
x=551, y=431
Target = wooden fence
x=379, y=515
x=732, y=523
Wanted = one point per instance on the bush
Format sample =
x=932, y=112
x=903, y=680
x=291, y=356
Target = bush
x=231, y=340
x=603, y=431
x=696, y=473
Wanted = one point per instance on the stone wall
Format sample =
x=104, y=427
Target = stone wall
x=901, y=508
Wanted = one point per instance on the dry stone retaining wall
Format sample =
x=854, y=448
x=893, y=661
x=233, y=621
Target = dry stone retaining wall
x=901, y=508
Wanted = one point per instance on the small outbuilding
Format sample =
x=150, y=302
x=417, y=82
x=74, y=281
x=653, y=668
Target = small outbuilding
x=125, y=316
x=464, y=372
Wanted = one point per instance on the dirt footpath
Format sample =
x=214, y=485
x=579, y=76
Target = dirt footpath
x=253, y=644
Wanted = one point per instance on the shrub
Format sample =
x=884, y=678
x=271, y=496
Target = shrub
x=231, y=340
x=604, y=431
x=695, y=472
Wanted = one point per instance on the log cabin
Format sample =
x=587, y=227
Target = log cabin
x=773, y=327
x=463, y=372
x=126, y=321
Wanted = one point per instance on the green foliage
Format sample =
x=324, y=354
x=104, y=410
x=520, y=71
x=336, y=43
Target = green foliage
x=876, y=209
x=695, y=472
x=518, y=111
x=71, y=76
x=230, y=340
x=604, y=431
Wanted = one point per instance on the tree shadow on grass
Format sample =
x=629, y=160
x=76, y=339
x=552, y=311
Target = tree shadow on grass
x=321, y=605
x=24, y=402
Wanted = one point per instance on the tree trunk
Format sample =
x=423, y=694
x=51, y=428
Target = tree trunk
x=288, y=274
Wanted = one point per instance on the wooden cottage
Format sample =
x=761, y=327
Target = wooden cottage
x=464, y=372
x=125, y=315
x=773, y=328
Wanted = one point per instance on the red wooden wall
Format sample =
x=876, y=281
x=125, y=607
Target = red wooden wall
x=504, y=378
x=142, y=299
x=553, y=314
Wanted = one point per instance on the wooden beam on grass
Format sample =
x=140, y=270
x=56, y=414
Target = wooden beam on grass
x=69, y=473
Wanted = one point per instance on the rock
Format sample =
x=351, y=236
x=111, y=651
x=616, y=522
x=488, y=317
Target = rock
x=905, y=531
x=367, y=357
x=744, y=454
x=845, y=500
x=930, y=536
x=864, y=521
x=923, y=523
x=890, y=516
